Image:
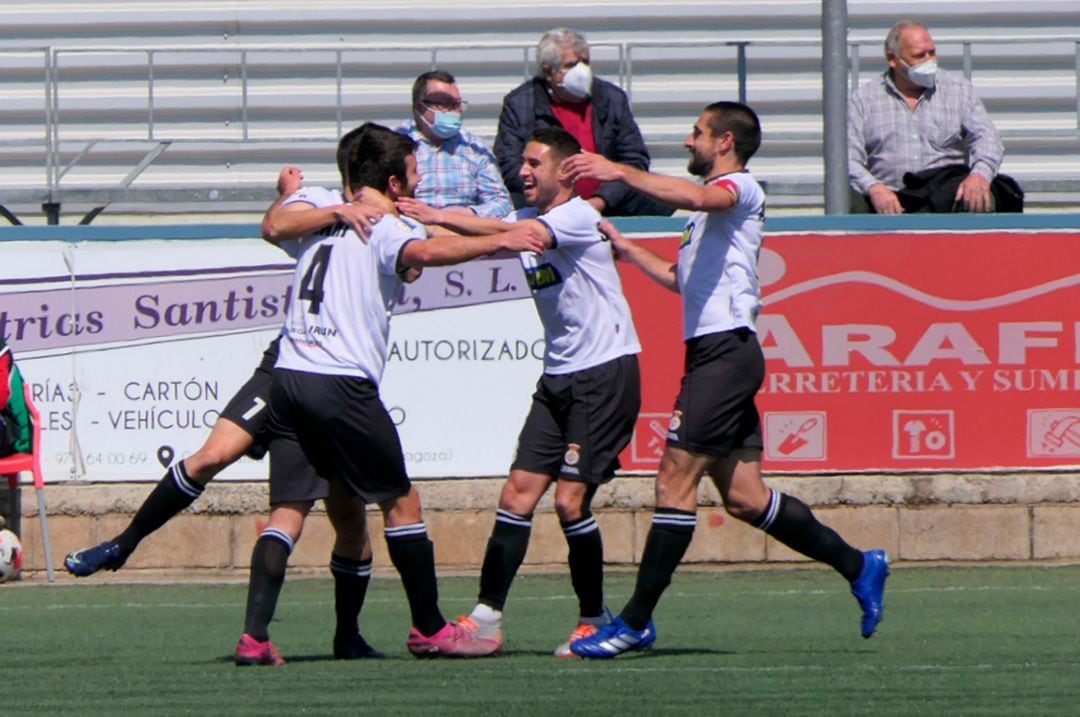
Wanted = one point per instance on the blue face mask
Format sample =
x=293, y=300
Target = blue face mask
x=446, y=124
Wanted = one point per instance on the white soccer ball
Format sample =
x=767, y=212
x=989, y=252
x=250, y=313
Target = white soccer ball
x=11, y=556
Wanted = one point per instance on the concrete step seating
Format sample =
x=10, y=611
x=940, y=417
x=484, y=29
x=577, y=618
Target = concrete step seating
x=223, y=116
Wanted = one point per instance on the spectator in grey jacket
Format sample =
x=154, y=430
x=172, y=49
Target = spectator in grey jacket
x=596, y=112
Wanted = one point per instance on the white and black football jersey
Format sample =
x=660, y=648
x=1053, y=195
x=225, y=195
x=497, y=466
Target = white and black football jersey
x=342, y=293
x=725, y=243
x=577, y=291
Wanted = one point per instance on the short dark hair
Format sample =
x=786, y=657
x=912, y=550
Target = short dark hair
x=371, y=154
x=344, y=149
x=421, y=82
x=741, y=121
x=562, y=143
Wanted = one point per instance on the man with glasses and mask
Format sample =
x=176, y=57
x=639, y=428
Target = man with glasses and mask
x=457, y=170
x=596, y=112
x=920, y=140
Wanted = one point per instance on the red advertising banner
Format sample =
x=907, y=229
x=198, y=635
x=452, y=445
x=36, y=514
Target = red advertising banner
x=926, y=351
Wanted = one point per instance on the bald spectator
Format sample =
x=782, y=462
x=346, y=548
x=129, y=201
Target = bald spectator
x=920, y=140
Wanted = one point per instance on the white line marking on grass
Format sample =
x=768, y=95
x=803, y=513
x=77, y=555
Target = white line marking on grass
x=621, y=667
x=542, y=598
x=892, y=591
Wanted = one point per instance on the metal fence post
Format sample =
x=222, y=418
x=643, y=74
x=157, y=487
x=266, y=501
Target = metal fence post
x=50, y=120
x=340, y=109
x=149, y=94
x=855, y=66
x=740, y=62
x=834, y=101
x=243, y=94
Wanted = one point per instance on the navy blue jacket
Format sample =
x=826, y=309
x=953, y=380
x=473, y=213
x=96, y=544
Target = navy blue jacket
x=617, y=137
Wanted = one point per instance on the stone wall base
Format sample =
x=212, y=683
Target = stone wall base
x=939, y=517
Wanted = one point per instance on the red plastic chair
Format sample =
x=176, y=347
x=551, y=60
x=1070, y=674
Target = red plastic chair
x=11, y=466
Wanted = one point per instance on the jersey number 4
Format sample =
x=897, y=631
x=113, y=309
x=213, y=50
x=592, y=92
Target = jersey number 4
x=311, y=287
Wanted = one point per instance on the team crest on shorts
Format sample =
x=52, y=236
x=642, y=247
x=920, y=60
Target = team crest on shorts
x=676, y=421
x=573, y=454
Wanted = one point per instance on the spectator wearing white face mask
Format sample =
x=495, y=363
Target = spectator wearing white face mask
x=596, y=112
x=919, y=138
x=457, y=170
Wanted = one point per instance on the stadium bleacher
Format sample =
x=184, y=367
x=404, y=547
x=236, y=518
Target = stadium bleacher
x=155, y=108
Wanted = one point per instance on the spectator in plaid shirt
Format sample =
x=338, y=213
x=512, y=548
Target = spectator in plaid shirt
x=457, y=171
x=915, y=119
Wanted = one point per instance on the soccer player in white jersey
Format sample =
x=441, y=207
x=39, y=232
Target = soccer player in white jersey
x=715, y=427
x=333, y=351
x=241, y=430
x=587, y=400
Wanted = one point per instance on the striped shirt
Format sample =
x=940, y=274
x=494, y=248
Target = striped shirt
x=949, y=125
x=460, y=172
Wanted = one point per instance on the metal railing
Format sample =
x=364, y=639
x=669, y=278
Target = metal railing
x=624, y=59
x=624, y=55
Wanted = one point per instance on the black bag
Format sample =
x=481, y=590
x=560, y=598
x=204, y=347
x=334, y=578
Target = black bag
x=934, y=190
x=1008, y=195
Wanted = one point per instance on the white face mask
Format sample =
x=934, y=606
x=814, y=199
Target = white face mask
x=922, y=74
x=577, y=82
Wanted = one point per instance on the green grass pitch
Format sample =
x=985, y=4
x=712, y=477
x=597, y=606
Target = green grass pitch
x=955, y=641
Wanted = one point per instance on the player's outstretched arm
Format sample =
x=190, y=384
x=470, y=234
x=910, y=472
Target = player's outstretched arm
x=297, y=220
x=289, y=181
x=455, y=221
x=445, y=250
x=657, y=268
x=673, y=191
x=294, y=221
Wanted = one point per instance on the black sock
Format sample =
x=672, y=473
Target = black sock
x=174, y=492
x=669, y=537
x=414, y=557
x=790, y=521
x=268, y=561
x=586, y=558
x=505, y=552
x=351, y=578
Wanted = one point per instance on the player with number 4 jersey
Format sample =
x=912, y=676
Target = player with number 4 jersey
x=333, y=350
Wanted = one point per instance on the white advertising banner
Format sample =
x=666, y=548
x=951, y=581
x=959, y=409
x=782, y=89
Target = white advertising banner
x=132, y=348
